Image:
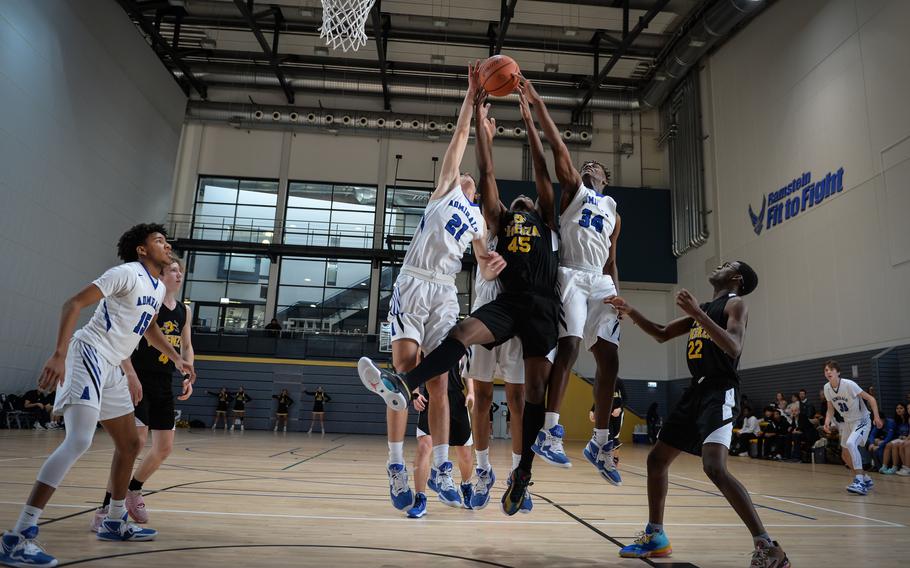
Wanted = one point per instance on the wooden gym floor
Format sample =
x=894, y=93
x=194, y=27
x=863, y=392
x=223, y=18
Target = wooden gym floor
x=266, y=499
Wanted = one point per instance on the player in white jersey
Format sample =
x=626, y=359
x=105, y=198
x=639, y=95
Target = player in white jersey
x=589, y=228
x=848, y=398
x=91, y=386
x=424, y=304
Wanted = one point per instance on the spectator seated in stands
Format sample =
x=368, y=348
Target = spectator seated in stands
x=767, y=433
x=747, y=432
x=35, y=403
x=801, y=435
x=880, y=437
x=794, y=405
x=778, y=444
x=896, y=455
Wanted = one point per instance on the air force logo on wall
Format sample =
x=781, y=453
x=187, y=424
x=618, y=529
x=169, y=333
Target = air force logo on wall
x=780, y=206
x=758, y=221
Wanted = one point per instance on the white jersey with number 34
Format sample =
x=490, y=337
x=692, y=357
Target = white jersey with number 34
x=846, y=400
x=448, y=226
x=132, y=297
x=585, y=228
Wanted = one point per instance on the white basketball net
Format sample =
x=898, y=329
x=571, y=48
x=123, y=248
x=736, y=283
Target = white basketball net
x=343, y=23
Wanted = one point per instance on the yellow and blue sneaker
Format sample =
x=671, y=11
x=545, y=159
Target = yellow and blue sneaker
x=648, y=545
x=516, y=491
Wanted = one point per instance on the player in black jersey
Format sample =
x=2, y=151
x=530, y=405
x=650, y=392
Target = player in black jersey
x=702, y=422
x=527, y=308
x=284, y=403
x=154, y=412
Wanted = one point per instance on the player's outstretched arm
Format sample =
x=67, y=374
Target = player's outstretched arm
x=451, y=163
x=730, y=340
x=568, y=176
x=52, y=374
x=662, y=333
x=545, y=195
x=489, y=191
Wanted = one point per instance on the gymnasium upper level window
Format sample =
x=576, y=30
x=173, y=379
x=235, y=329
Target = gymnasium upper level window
x=232, y=209
x=404, y=208
x=334, y=215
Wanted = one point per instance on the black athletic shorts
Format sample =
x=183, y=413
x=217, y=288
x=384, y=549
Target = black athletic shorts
x=318, y=406
x=533, y=318
x=156, y=409
x=704, y=414
x=459, y=422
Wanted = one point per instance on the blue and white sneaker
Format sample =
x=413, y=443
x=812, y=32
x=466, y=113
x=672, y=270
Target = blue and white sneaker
x=467, y=491
x=442, y=483
x=390, y=386
x=112, y=529
x=481, y=495
x=526, y=504
x=549, y=446
x=22, y=550
x=858, y=487
x=602, y=459
x=420, y=506
x=399, y=491
x=648, y=545
x=867, y=481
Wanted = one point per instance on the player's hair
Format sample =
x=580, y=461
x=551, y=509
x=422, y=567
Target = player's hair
x=135, y=236
x=750, y=278
x=832, y=364
x=602, y=167
x=179, y=261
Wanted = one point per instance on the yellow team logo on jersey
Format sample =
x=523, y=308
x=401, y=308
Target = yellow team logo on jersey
x=697, y=337
x=168, y=328
x=521, y=235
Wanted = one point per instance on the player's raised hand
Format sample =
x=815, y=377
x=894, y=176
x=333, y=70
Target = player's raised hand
x=53, y=372
x=687, y=303
x=530, y=91
x=524, y=105
x=187, y=390
x=474, y=85
x=486, y=124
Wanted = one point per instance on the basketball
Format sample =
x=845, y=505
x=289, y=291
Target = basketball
x=497, y=75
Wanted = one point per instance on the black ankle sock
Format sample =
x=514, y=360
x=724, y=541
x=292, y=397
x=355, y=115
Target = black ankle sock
x=531, y=422
x=135, y=485
x=438, y=362
x=107, y=499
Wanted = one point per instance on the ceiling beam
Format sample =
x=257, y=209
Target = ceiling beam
x=577, y=46
x=626, y=42
x=246, y=10
x=161, y=45
x=379, y=33
x=506, y=13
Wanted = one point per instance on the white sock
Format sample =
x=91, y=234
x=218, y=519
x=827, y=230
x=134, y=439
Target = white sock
x=117, y=509
x=27, y=518
x=483, y=458
x=440, y=454
x=516, y=459
x=601, y=436
x=550, y=419
x=396, y=452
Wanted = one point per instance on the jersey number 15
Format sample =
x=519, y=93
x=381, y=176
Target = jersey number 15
x=143, y=324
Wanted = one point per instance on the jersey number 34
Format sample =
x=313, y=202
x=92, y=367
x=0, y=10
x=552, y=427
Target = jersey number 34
x=589, y=219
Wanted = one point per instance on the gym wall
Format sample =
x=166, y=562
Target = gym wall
x=812, y=87
x=89, y=136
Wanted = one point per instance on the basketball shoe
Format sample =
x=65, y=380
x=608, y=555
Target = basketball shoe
x=442, y=483
x=399, y=491
x=766, y=556
x=112, y=529
x=549, y=446
x=648, y=545
x=485, y=480
x=22, y=550
x=420, y=506
x=392, y=387
x=602, y=459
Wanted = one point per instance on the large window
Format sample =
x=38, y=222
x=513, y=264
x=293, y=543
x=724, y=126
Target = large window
x=403, y=210
x=324, y=295
x=320, y=214
x=230, y=209
x=227, y=290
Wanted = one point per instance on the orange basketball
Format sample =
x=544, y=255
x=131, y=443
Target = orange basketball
x=496, y=75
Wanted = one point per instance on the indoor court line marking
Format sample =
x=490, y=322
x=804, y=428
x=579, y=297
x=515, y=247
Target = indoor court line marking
x=284, y=452
x=312, y=457
x=887, y=523
x=636, y=523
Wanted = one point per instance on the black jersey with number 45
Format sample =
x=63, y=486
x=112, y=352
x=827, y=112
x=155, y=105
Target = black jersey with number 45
x=529, y=248
x=704, y=357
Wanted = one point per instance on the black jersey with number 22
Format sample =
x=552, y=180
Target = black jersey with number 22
x=704, y=357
